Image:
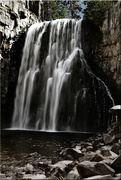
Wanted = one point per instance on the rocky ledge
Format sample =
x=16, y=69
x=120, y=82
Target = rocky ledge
x=15, y=17
x=98, y=157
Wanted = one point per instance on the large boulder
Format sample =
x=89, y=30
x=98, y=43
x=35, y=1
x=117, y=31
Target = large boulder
x=115, y=148
x=116, y=164
x=87, y=169
x=104, y=169
x=97, y=158
x=71, y=153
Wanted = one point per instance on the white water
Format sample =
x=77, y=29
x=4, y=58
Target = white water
x=64, y=46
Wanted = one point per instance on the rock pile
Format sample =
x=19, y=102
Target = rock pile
x=92, y=159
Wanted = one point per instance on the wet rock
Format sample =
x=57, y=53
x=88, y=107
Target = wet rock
x=71, y=154
x=85, y=171
x=108, y=139
x=2, y=175
x=89, y=148
x=85, y=144
x=115, y=148
x=99, y=177
x=28, y=168
x=105, y=151
x=53, y=178
x=97, y=142
x=61, y=164
x=104, y=169
x=58, y=172
x=118, y=176
x=97, y=158
x=73, y=175
x=33, y=177
x=43, y=165
x=7, y=178
x=113, y=155
x=116, y=164
x=87, y=157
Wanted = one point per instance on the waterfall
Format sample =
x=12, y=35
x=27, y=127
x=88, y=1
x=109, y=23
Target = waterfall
x=56, y=89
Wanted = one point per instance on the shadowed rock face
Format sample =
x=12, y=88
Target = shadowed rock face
x=56, y=88
x=15, y=18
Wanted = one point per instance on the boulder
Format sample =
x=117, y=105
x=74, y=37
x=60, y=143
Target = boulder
x=87, y=169
x=33, y=177
x=58, y=172
x=105, y=151
x=89, y=148
x=115, y=148
x=104, y=169
x=43, y=165
x=99, y=177
x=108, y=139
x=97, y=158
x=87, y=157
x=97, y=142
x=28, y=168
x=116, y=164
x=71, y=153
x=73, y=175
x=61, y=164
x=116, y=110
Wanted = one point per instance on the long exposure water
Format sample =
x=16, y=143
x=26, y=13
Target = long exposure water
x=56, y=88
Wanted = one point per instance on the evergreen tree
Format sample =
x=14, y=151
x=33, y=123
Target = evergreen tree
x=74, y=7
x=55, y=10
x=61, y=9
x=96, y=9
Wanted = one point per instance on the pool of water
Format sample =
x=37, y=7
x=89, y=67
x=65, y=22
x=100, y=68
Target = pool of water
x=17, y=144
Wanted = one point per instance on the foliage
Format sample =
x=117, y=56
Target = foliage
x=74, y=7
x=61, y=9
x=96, y=9
x=55, y=10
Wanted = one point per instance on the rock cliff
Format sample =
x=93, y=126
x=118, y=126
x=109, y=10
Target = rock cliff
x=15, y=18
x=102, y=48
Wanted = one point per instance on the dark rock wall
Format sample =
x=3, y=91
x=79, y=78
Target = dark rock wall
x=15, y=18
x=102, y=49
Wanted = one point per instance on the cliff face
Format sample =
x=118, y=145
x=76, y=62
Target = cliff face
x=102, y=49
x=15, y=18
x=111, y=44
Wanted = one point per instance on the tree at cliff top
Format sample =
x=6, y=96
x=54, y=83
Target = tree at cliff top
x=61, y=9
x=74, y=7
x=54, y=10
x=96, y=9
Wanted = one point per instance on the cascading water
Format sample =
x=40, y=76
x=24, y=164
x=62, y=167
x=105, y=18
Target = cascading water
x=56, y=89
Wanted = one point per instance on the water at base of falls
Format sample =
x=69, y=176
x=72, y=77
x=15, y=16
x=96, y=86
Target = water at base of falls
x=56, y=89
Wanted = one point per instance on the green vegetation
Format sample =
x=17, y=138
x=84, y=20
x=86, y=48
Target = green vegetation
x=55, y=10
x=61, y=9
x=96, y=9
